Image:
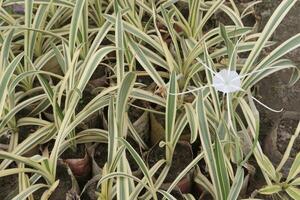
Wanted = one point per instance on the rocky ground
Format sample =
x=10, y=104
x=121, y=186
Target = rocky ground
x=277, y=128
x=274, y=90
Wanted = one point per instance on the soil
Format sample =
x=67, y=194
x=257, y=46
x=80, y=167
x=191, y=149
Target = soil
x=274, y=90
x=285, y=131
x=100, y=155
x=79, y=152
x=140, y=119
x=4, y=142
x=64, y=186
x=135, y=113
x=79, y=162
x=8, y=185
x=92, y=121
x=65, y=183
x=24, y=131
x=133, y=165
x=182, y=157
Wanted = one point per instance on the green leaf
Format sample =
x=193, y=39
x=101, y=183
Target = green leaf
x=11, y=156
x=209, y=76
x=54, y=2
x=167, y=195
x=189, y=197
x=207, y=146
x=126, y=86
x=92, y=64
x=146, y=64
x=9, y=172
x=287, y=152
x=180, y=124
x=213, y=8
x=46, y=195
x=84, y=28
x=19, y=107
x=75, y=24
x=32, y=141
x=269, y=29
x=122, y=98
x=92, y=61
x=38, y=23
x=5, y=78
x=147, y=96
x=270, y=189
x=286, y=47
x=113, y=133
x=185, y=171
x=139, y=162
x=136, y=32
x=236, y=185
x=295, y=168
x=28, y=191
x=28, y=24
x=171, y=31
x=221, y=167
x=171, y=109
x=231, y=50
x=266, y=165
x=194, y=14
x=5, y=50
x=123, y=175
x=192, y=118
x=293, y=192
x=296, y=182
x=204, y=182
x=119, y=48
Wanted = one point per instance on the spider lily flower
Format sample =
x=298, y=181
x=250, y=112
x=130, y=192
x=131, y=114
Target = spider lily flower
x=227, y=81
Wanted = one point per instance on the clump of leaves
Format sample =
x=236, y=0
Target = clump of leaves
x=50, y=53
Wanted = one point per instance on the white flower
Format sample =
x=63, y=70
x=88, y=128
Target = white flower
x=227, y=81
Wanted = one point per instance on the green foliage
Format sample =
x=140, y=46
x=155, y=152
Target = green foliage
x=50, y=53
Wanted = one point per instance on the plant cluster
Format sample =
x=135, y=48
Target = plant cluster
x=63, y=61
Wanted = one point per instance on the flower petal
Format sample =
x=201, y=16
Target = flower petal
x=227, y=81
